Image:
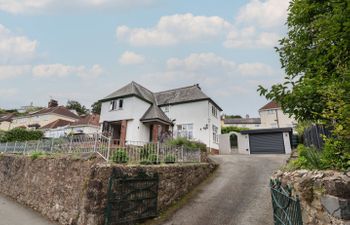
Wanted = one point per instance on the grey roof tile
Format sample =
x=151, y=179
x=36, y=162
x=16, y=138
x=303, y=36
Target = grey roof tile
x=242, y=121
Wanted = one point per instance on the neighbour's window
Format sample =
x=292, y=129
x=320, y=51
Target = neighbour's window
x=270, y=111
x=215, y=134
x=214, y=111
x=185, y=130
x=166, y=108
x=116, y=104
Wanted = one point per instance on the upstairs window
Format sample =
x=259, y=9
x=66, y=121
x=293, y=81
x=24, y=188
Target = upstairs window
x=116, y=104
x=214, y=111
x=215, y=134
x=166, y=109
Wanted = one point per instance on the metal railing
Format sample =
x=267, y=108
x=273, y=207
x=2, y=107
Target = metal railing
x=131, y=152
x=286, y=208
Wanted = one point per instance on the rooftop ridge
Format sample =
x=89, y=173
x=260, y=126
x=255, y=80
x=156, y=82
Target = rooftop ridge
x=175, y=89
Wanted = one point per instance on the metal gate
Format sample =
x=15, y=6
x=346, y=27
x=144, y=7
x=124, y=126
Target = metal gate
x=286, y=208
x=131, y=198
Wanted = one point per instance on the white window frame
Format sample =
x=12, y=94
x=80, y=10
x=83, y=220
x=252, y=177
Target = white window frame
x=215, y=134
x=185, y=130
x=115, y=104
x=214, y=111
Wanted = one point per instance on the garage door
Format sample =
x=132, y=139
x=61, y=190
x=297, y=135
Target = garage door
x=271, y=143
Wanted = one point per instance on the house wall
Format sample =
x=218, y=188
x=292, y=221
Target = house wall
x=287, y=143
x=5, y=125
x=269, y=117
x=42, y=120
x=63, y=131
x=133, y=109
x=199, y=114
x=225, y=145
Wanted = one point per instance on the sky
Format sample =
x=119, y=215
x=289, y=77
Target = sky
x=85, y=49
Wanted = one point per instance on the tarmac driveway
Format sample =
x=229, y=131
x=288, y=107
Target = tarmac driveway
x=238, y=195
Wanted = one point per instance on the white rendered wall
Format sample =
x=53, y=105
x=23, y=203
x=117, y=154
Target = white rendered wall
x=268, y=119
x=133, y=109
x=200, y=115
x=287, y=145
x=243, y=144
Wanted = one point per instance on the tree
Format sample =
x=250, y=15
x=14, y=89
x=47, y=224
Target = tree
x=315, y=56
x=96, y=107
x=21, y=134
x=231, y=116
x=75, y=105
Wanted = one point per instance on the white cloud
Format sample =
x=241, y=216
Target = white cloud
x=44, y=6
x=249, y=38
x=255, y=69
x=61, y=70
x=172, y=29
x=8, y=92
x=15, y=48
x=12, y=71
x=200, y=62
x=265, y=13
x=131, y=58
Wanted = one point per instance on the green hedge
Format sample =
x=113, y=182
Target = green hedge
x=21, y=134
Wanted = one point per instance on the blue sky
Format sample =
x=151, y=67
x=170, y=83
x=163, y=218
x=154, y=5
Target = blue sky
x=83, y=50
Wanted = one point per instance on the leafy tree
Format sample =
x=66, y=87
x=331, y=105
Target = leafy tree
x=315, y=56
x=75, y=105
x=231, y=116
x=96, y=107
x=21, y=134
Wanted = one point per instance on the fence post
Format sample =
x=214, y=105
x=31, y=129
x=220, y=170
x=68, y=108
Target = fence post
x=70, y=144
x=108, y=148
x=200, y=155
x=25, y=147
x=182, y=153
x=14, y=148
x=51, y=145
x=6, y=146
x=158, y=148
x=95, y=144
x=37, y=145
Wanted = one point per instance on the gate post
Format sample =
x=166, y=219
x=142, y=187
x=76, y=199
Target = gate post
x=25, y=147
x=6, y=146
x=158, y=148
x=108, y=148
x=14, y=148
x=95, y=144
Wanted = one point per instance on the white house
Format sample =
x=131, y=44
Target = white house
x=88, y=124
x=272, y=116
x=134, y=113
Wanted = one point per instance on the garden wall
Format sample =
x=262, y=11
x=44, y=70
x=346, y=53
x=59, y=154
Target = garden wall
x=74, y=191
x=324, y=195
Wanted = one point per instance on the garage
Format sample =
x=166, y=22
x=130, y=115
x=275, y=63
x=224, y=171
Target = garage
x=269, y=141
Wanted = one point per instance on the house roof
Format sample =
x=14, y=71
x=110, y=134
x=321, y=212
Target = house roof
x=155, y=113
x=56, y=123
x=242, y=121
x=88, y=120
x=60, y=110
x=6, y=117
x=132, y=89
x=270, y=105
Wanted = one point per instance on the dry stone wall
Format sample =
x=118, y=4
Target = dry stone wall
x=74, y=191
x=324, y=195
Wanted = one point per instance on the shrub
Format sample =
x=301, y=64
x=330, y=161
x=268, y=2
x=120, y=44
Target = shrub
x=21, y=134
x=181, y=141
x=225, y=130
x=169, y=159
x=36, y=154
x=146, y=150
x=308, y=158
x=120, y=156
x=336, y=154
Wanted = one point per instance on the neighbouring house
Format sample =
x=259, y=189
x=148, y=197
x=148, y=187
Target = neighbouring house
x=6, y=120
x=40, y=118
x=247, y=122
x=134, y=113
x=88, y=124
x=272, y=116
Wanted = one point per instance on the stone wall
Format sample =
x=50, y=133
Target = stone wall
x=73, y=191
x=324, y=195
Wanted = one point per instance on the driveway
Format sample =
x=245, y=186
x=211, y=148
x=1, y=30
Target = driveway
x=12, y=213
x=239, y=195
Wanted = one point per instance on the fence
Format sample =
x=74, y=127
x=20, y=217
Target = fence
x=313, y=136
x=132, y=152
x=286, y=208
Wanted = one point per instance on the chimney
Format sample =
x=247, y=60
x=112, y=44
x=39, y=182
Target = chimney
x=52, y=103
x=247, y=116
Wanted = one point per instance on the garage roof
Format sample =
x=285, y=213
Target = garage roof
x=264, y=131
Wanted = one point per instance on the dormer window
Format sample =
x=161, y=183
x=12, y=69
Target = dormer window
x=116, y=104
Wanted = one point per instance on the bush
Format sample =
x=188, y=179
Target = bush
x=308, y=158
x=225, y=130
x=36, y=154
x=120, y=156
x=169, y=159
x=147, y=149
x=181, y=141
x=21, y=134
